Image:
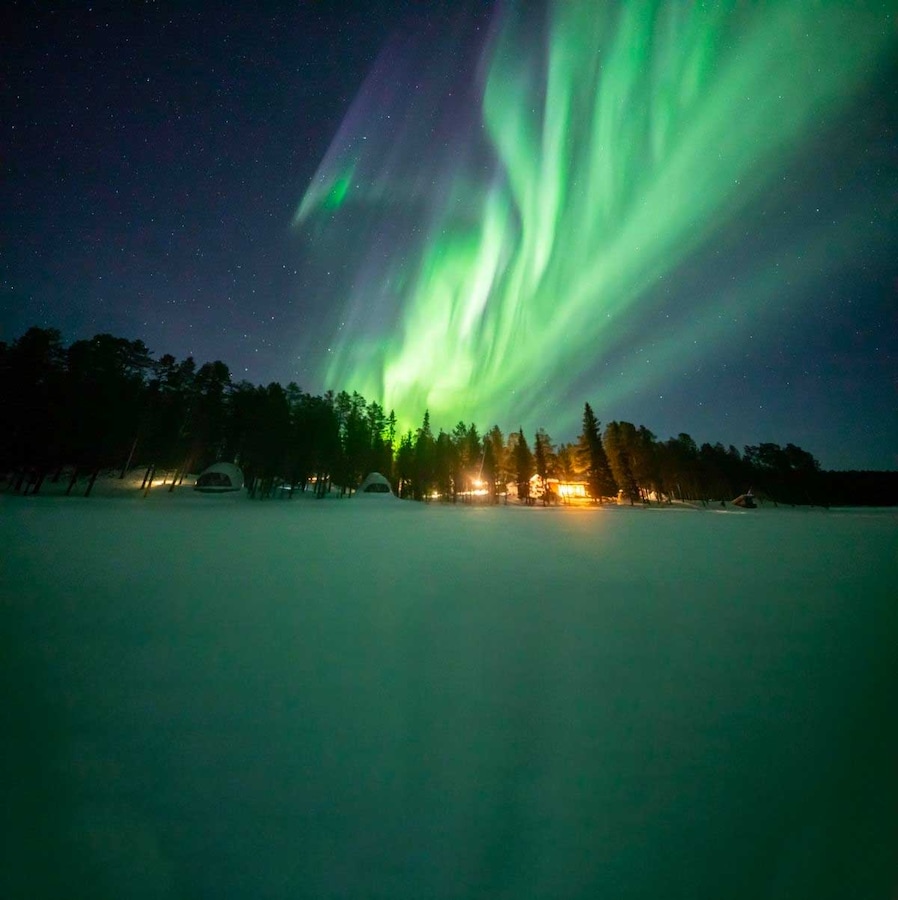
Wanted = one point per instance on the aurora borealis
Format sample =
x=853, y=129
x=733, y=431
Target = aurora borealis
x=683, y=213
x=493, y=262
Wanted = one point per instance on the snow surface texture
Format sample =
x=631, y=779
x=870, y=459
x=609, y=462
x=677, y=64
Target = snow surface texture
x=211, y=697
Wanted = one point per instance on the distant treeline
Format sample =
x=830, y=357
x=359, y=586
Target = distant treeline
x=106, y=404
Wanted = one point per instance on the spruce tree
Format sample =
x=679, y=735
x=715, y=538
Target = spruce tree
x=422, y=483
x=489, y=468
x=594, y=459
x=523, y=460
x=619, y=441
x=544, y=460
x=502, y=471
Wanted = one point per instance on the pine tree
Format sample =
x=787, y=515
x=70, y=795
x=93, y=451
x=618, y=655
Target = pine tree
x=489, y=468
x=594, y=459
x=645, y=463
x=404, y=470
x=444, y=465
x=422, y=483
x=619, y=438
x=544, y=460
x=501, y=466
x=459, y=460
x=523, y=460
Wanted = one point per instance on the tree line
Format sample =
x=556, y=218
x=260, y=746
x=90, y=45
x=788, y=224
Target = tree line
x=105, y=404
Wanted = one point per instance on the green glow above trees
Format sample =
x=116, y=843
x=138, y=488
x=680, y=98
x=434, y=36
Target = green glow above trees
x=632, y=139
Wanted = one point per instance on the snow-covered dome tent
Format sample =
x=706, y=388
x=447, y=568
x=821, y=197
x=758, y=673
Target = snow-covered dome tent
x=219, y=478
x=375, y=485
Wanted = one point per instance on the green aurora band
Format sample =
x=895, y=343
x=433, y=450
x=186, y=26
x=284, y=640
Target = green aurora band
x=622, y=138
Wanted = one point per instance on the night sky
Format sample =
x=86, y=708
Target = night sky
x=686, y=218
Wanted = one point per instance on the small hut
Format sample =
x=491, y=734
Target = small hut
x=375, y=485
x=219, y=479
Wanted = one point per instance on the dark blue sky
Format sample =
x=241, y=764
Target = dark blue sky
x=153, y=156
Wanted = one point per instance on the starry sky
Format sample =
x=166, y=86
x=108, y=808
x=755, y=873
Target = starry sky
x=686, y=216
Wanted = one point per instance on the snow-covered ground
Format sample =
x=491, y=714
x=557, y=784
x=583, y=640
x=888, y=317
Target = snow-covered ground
x=209, y=697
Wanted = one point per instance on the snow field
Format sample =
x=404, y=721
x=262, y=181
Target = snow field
x=219, y=698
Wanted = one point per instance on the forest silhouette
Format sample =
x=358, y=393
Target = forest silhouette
x=103, y=405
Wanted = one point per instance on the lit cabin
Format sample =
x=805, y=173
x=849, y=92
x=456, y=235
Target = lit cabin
x=565, y=491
